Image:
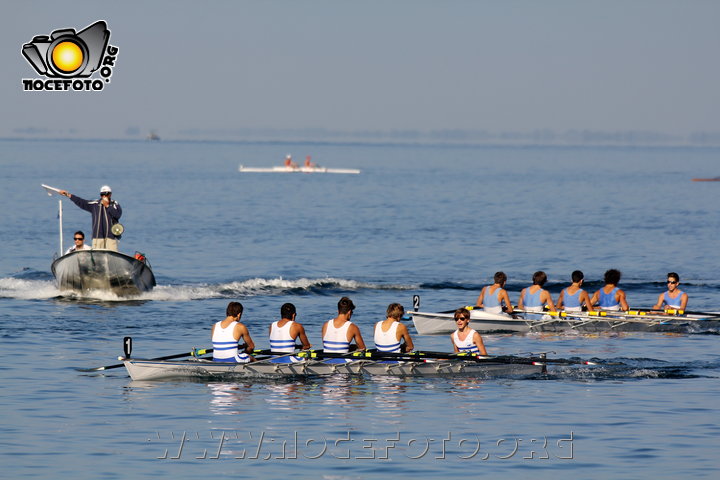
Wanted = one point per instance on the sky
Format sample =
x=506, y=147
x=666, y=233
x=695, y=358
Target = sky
x=192, y=68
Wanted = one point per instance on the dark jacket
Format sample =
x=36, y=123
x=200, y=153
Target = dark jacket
x=102, y=218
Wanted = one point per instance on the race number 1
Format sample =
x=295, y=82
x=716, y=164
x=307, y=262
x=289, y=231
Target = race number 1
x=127, y=346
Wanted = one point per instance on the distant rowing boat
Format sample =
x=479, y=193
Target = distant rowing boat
x=300, y=169
x=715, y=179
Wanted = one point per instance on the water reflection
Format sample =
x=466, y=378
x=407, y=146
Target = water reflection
x=391, y=396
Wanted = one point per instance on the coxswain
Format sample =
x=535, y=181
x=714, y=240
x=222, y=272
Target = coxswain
x=465, y=339
x=674, y=298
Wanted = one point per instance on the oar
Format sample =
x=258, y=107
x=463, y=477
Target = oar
x=274, y=356
x=467, y=307
x=127, y=350
x=628, y=315
x=671, y=311
x=421, y=356
x=192, y=353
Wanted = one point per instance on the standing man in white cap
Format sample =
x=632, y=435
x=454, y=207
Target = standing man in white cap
x=105, y=214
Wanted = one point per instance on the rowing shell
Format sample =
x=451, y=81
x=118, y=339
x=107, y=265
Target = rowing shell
x=427, y=323
x=302, y=169
x=140, y=369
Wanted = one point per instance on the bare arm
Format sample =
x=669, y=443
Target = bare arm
x=585, y=298
x=241, y=332
x=479, y=301
x=659, y=304
x=521, y=303
x=300, y=333
x=405, y=335
x=621, y=298
x=478, y=341
x=595, y=298
x=324, y=329
x=684, y=301
x=559, y=304
x=504, y=297
x=452, y=340
x=547, y=300
x=354, y=332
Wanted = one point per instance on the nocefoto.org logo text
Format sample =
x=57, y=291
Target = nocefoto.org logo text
x=68, y=59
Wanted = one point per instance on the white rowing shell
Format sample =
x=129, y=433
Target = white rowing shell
x=284, y=169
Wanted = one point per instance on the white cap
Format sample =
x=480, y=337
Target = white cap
x=288, y=156
x=105, y=189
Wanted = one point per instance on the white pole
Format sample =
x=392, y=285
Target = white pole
x=61, y=232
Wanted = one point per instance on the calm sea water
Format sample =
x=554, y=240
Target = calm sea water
x=436, y=221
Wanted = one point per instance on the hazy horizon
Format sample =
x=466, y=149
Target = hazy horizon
x=477, y=71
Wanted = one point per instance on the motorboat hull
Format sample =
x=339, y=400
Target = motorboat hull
x=102, y=270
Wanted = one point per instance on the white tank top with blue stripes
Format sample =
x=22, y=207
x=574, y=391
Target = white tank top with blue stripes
x=225, y=346
x=335, y=339
x=387, y=341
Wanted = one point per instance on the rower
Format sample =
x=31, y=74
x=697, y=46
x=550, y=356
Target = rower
x=283, y=334
x=309, y=163
x=534, y=298
x=391, y=335
x=340, y=332
x=492, y=297
x=289, y=162
x=465, y=339
x=573, y=298
x=610, y=297
x=226, y=334
x=674, y=298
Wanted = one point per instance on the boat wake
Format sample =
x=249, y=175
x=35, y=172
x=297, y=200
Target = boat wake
x=40, y=286
x=633, y=369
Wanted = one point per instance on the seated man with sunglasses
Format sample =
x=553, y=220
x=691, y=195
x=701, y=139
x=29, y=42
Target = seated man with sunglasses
x=79, y=243
x=105, y=213
x=674, y=298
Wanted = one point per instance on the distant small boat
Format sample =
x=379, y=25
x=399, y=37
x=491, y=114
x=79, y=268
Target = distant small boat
x=153, y=136
x=300, y=169
x=715, y=179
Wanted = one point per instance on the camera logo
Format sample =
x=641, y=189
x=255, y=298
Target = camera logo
x=68, y=57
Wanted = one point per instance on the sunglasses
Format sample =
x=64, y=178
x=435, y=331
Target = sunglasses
x=672, y=282
x=462, y=318
x=105, y=194
x=78, y=238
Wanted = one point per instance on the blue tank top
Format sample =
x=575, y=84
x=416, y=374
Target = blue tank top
x=571, y=301
x=607, y=300
x=532, y=299
x=491, y=299
x=673, y=302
